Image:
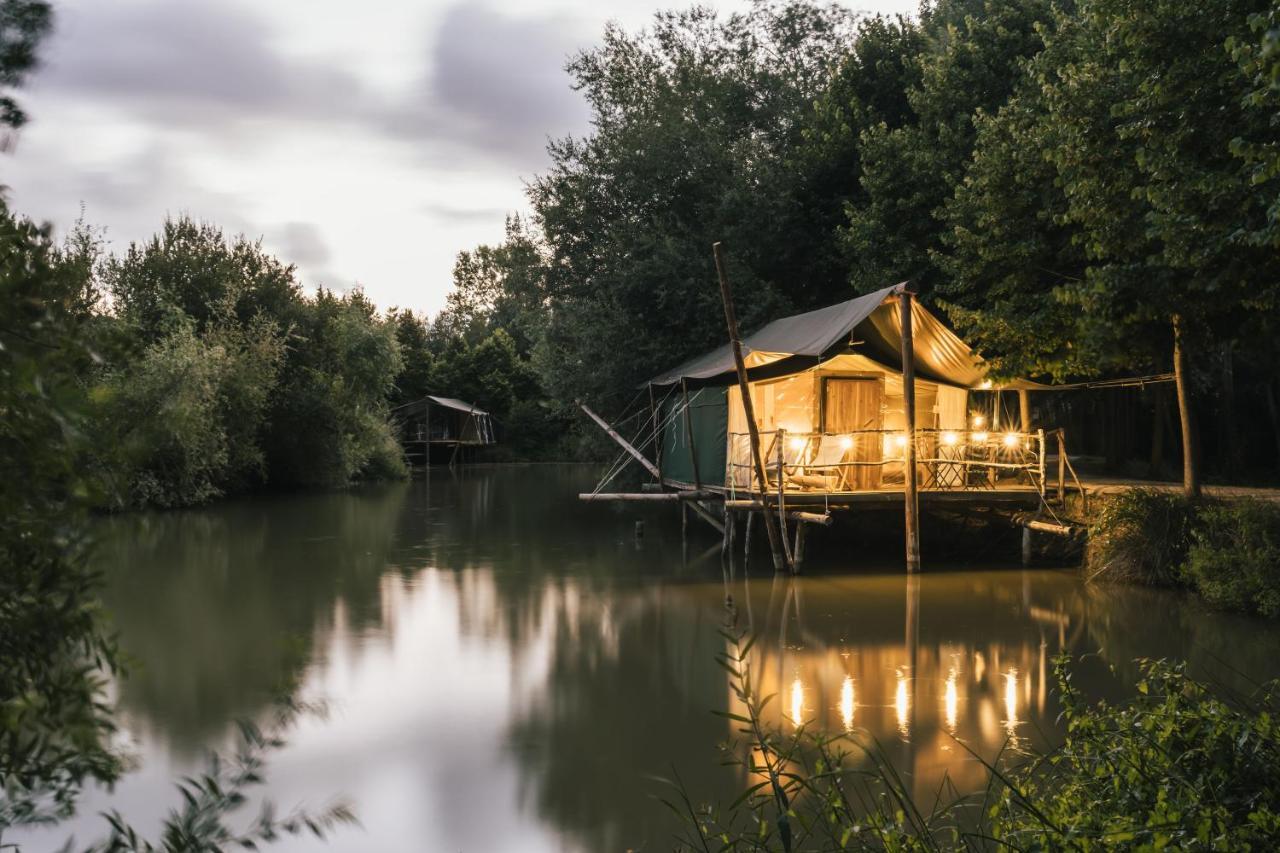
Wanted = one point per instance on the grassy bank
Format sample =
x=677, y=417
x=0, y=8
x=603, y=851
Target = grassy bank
x=1176, y=767
x=1226, y=551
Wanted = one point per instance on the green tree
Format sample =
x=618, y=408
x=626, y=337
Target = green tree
x=23, y=25
x=192, y=271
x=329, y=421
x=1142, y=107
x=691, y=118
x=971, y=58
x=54, y=723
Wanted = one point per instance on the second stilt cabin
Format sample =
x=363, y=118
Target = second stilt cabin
x=827, y=391
x=439, y=428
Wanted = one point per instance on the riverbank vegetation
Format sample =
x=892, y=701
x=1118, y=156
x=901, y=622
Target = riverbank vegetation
x=1226, y=551
x=1178, y=766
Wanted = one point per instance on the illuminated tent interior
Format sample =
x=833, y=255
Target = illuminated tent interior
x=831, y=372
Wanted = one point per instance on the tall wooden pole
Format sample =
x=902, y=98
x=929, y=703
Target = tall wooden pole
x=1190, y=466
x=757, y=458
x=1024, y=410
x=910, y=494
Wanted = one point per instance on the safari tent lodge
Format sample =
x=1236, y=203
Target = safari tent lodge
x=826, y=387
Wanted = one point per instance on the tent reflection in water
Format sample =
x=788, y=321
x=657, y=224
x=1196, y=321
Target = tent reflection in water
x=443, y=426
x=827, y=391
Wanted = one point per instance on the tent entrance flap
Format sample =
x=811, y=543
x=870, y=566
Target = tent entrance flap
x=709, y=422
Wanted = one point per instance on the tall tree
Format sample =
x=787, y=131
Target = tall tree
x=691, y=118
x=23, y=25
x=971, y=58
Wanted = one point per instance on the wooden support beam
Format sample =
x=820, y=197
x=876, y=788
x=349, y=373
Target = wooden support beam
x=646, y=496
x=612, y=433
x=810, y=518
x=731, y=321
x=911, y=500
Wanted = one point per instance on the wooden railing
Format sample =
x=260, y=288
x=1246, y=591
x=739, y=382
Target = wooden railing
x=871, y=460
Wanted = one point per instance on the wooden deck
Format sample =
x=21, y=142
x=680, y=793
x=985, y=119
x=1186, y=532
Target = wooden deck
x=1002, y=494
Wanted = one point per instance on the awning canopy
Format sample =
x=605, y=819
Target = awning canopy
x=869, y=324
x=419, y=406
x=450, y=403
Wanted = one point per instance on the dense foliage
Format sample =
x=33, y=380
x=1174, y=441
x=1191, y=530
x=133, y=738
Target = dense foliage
x=1177, y=766
x=1068, y=179
x=54, y=651
x=1226, y=551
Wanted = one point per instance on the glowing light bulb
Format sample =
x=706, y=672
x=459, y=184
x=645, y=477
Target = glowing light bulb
x=978, y=421
x=846, y=442
x=950, y=439
x=986, y=385
x=979, y=438
x=900, y=440
x=797, y=443
x=1011, y=439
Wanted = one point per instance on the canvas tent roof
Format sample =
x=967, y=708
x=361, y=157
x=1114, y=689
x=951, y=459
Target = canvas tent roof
x=872, y=322
x=418, y=406
x=451, y=403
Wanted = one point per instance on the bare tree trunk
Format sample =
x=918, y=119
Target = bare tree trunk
x=1190, y=464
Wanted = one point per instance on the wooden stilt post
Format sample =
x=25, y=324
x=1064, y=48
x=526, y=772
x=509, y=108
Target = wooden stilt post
x=731, y=321
x=1024, y=410
x=1062, y=469
x=910, y=485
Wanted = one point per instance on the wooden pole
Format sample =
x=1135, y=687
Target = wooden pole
x=702, y=511
x=731, y=321
x=1062, y=469
x=1024, y=410
x=1190, y=465
x=910, y=496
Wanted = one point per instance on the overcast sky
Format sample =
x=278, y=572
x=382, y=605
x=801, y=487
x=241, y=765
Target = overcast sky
x=364, y=142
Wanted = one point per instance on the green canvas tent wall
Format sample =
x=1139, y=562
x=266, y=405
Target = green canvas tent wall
x=708, y=421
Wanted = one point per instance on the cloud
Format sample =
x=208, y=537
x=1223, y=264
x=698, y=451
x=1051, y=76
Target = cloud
x=496, y=85
x=189, y=62
x=301, y=243
x=459, y=214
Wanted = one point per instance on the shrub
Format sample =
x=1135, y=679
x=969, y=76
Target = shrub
x=1175, y=767
x=1140, y=536
x=1234, y=559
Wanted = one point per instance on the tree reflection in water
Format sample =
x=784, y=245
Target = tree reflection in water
x=506, y=666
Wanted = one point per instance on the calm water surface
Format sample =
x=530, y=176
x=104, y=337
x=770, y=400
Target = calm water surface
x=504, y=666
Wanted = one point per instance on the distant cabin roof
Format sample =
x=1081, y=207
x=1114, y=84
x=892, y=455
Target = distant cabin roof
x=447, y=402
x=451, y=403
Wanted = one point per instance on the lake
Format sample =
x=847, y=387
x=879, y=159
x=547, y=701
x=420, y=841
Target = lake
x=504, y=667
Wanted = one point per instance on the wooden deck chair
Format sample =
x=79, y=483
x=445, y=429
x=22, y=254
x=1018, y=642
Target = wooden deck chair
x=825, y=471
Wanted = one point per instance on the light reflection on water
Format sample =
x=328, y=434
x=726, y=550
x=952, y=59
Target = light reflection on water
x=506, y=667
